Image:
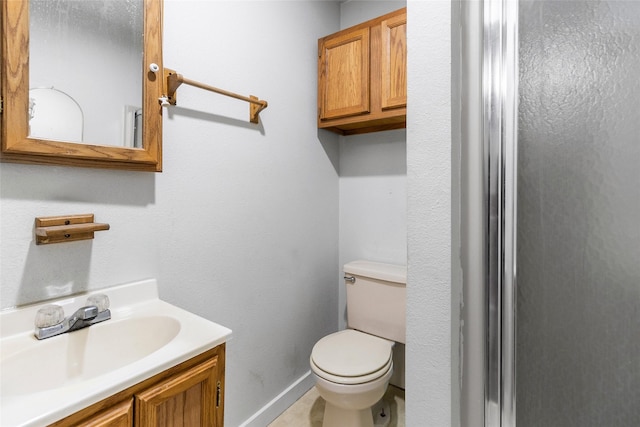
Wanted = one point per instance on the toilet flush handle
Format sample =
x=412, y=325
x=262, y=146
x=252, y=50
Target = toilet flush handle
x=350, y=279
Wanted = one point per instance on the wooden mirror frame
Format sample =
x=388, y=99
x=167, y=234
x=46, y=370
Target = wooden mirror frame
x=17, y=146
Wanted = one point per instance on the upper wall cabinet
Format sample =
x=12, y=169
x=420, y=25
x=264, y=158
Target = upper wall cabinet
x=81, y=82
x=362, y=76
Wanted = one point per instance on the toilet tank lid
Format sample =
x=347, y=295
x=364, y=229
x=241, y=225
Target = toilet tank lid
x=377, y=270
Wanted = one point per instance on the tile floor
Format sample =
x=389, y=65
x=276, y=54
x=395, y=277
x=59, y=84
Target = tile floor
x=308, y=410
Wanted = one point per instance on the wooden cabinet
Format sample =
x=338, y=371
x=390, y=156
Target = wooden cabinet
x=120, y=415
x=181, y=400
x=190, y=394
x=362, y=76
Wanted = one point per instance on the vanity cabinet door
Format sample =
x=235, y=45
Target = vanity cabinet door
x=189, y=398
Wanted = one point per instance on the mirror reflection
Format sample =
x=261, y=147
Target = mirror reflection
x=85, y=71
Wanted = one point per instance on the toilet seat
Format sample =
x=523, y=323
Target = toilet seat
x=351, y=357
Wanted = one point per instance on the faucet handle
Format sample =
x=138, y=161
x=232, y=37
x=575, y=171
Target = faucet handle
x=99, y=300
x=49, y=315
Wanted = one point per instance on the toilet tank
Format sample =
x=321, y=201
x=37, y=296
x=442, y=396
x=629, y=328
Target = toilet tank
x=376, y=299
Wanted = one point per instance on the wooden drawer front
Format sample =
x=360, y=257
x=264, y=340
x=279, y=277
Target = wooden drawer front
x=344, y=75
x=120, y=415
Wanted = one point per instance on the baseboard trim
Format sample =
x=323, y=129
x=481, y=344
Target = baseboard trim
x=281, y=402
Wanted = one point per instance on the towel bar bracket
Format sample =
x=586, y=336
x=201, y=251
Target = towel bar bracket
x=173, y=80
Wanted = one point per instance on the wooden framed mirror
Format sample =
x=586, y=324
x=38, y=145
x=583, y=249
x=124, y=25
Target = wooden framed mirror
x=22, y=102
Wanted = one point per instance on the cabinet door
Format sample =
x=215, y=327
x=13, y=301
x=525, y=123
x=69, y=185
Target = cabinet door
x=343, y=75
x=394, y=62
x=185, y=400
x=120, y=415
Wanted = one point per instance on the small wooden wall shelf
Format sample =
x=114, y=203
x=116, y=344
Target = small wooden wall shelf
x=58, y=229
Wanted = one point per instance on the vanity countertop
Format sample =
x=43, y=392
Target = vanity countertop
x=47, y=380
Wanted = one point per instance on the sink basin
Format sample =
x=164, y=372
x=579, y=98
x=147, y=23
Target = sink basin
x=83, y=354
x=46, y=380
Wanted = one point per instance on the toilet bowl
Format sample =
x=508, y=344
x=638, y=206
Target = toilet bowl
x=352, y=368
x=352, y=371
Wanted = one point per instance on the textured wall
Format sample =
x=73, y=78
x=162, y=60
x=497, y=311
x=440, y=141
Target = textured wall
x=578, y=210
x=430, y=325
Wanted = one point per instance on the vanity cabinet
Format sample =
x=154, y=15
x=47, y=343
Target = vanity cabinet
x=187, y=395
x=362, y=76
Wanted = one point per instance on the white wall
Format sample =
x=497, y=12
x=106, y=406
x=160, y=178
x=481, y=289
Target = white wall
x=242, y=225
x=431, y=325
x=373, y=193
x=353, y=12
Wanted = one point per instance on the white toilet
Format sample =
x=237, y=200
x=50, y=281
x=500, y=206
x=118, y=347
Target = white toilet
x=352, y=368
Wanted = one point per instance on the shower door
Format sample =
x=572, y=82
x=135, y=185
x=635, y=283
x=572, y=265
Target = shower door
x=578, y=204
x=564, y=304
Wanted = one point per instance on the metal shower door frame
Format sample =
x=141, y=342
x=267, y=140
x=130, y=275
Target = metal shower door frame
x=500, y=115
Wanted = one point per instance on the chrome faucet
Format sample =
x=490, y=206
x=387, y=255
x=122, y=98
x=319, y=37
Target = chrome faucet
x=50, y=320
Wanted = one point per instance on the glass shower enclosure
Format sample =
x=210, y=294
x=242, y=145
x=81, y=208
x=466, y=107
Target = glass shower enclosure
x=561, y=136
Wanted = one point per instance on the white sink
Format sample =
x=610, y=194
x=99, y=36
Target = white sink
x=83, y=354
x=44, y=381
